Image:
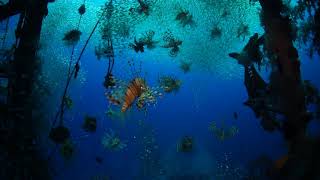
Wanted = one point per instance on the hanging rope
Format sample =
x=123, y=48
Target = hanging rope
x=109, y=79
x=81, y=11
x=110, y=56
x=62, y=106
x=73, y=71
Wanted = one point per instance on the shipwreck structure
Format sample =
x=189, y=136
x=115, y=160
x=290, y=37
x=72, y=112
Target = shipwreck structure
x=19, y=156
x=284, y=95
x=20, y=159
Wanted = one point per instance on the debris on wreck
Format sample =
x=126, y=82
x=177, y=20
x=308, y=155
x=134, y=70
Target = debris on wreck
x=257, y=88
x=251, y=52
x=72, y=37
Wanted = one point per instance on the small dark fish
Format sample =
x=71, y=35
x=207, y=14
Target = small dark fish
x=235, y=115
x=144, y=8
x=99, y=159
x=138, y=46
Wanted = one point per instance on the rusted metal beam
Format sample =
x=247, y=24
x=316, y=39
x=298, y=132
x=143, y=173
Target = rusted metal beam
x=20, y=142
x=286, y=85
x=285, y=78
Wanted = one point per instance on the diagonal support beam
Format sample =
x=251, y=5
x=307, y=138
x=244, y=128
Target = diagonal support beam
x=13, y=7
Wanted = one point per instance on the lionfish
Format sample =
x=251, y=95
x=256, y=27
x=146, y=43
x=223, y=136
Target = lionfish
x=134, y=90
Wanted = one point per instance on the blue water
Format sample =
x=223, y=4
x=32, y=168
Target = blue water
x=205, y=96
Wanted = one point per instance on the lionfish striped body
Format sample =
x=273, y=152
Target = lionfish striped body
x=134, y=91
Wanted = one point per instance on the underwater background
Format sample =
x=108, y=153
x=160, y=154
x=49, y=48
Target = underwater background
x=206, y=108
